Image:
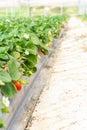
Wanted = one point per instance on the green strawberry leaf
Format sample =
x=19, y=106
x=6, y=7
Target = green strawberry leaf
x=35, y=40
x=4, y=56
x=2, y=49
x=8, y=90
x=33, y=59
x=4, y=76
x=15, y=54
x=13, y=70
x=2, y=123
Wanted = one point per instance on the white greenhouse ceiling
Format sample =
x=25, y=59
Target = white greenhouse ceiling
x=9, y=3
x=54, y=2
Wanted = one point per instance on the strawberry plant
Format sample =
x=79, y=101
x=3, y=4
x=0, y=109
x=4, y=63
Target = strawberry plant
x=21, y=40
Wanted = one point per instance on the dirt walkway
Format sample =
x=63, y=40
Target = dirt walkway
x=63, y=103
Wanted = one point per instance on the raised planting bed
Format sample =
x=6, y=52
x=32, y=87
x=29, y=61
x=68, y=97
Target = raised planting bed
x=25, y=46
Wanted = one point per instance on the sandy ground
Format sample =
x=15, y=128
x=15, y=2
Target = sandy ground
x=63, y=103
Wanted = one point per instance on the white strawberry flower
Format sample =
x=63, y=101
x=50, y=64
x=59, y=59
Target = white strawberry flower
x=26, y=36
x=5, y=101
x=7, y=20
x=26, y=52
x=1, y=83
x=49, y=32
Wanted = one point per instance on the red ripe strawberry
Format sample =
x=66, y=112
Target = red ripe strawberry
x=18, y=85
